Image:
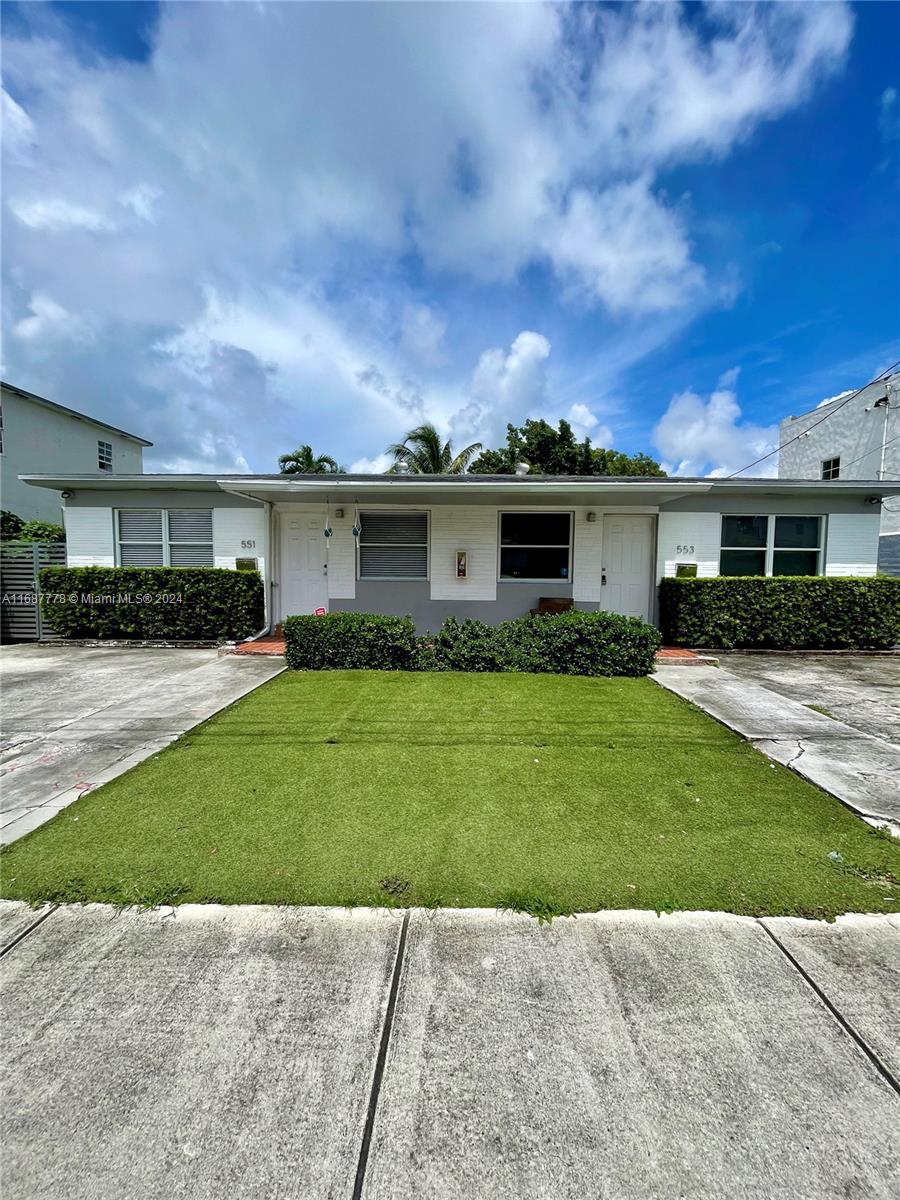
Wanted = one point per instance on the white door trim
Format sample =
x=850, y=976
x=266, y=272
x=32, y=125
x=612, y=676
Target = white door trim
x=628, y=585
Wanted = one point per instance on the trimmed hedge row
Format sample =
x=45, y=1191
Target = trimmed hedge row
x=781, y=612
x=572, y=643
x=176, y=603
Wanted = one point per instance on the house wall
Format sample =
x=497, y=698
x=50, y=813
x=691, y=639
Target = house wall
x=856, y=436
x=40, y=440
x=688, y=531
x=89, y=518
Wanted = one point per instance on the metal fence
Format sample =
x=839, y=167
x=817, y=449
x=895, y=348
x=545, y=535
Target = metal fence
x=20, y=611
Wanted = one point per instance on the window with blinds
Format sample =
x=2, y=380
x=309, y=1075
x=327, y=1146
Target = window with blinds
x=154, y=537
x=393, y=545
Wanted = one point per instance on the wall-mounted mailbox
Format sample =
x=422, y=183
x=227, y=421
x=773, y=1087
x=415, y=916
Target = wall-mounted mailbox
x=462, y=564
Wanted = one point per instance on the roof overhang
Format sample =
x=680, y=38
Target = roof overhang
x=463, y=490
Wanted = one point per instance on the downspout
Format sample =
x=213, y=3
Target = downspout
x=267, y=583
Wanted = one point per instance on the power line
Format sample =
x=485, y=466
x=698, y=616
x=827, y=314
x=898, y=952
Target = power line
x=874, y=450
x=878, y=379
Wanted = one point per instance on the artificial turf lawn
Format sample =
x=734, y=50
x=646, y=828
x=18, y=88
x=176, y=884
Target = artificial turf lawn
x=547, y=793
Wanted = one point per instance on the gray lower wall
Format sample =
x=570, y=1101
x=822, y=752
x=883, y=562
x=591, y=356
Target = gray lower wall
x=412, y=597
x=889, y=554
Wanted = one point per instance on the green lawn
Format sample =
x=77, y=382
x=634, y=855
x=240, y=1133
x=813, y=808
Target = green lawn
x=540, y=792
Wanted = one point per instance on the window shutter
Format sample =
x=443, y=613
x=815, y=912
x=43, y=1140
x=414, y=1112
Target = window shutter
x=190, y=525
x=386, y=528
x=393, y=545
x=140, y=525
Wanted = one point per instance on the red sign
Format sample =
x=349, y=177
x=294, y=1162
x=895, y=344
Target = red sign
x=320, y=612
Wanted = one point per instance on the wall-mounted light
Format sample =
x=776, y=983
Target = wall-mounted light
x=462, y=564
x=66, y=495
x=339, y=512
x=591, y=516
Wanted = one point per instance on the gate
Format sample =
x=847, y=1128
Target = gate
x=20, y=612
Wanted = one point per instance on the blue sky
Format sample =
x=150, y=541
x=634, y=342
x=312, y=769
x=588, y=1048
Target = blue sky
x=236, y=228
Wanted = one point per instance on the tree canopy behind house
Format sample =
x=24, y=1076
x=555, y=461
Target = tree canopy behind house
x=305, y=461
x=423, y=452
x=555, y=451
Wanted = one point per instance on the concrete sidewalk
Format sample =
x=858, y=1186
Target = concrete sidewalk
x=77, y=716
x=454, y=1055
x=862, y=770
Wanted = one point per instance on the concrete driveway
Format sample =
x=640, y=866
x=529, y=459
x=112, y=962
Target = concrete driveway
x=834, y=719
x=862, y=691
x=449, y=1055
x=78, y=716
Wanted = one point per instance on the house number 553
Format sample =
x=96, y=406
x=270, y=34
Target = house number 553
x=248, y=544
x=684, y=549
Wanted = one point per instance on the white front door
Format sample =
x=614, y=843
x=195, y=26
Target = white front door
x=627, y=564
x=304, y=582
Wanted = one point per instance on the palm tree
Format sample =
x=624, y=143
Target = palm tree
x=422, y=453
x=303, y=461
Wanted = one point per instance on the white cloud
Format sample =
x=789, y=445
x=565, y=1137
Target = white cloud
x=585, y=423
x=371, y=466
x=422, y=335
x=234, y=218
x=48, y=323
x=507, y=386
x=58, y=214
x=707, y=437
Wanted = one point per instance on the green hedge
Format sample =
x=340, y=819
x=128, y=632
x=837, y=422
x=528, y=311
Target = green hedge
x=127, y=602
x=572, y=643
x=781, y=613
x=346, y=640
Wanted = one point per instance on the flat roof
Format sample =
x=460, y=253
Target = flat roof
x=71, y=412
x=279, y=486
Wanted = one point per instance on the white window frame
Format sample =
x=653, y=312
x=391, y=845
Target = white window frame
x=556, y=512
x=831, y=467
x=373, y=508
x=770, y=548
x=102, y=446
x=166, y=539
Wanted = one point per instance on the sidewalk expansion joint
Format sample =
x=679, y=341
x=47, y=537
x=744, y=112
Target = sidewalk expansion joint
x=380, y=1061
x=884, y=1071
x=30, y=929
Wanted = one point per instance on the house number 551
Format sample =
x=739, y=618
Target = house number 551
x=248, y=544
x=684, y=549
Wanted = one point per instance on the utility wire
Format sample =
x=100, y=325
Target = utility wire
x=874, y=450
x=878, y=379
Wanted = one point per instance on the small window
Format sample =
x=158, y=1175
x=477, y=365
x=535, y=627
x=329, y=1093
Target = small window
x=535, y=546
x=104, y=456
x=153, y=537
x=797, y=546
x=831, y=468
x=190, y=537
x=393, y=545
x=141, y=537
x=771, y=545
x=744, y=545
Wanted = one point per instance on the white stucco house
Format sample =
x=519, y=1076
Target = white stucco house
x=473, y=545
x=39, y=435
x=859, y=438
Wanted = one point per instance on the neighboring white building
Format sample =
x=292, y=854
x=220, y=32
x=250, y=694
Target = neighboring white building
x=484, y=546
x=860, y=439
x=37, y=435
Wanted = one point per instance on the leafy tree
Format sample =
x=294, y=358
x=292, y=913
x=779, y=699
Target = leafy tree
x=304, y=461
x=550, y=451
x=423, y=453
x=41, y=531
x=10, y=525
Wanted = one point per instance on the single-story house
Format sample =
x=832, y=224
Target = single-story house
x=470, y=545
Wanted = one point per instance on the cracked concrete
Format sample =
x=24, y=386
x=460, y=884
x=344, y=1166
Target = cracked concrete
x=860, y=769
x=215, y=1051
x=77, y=716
